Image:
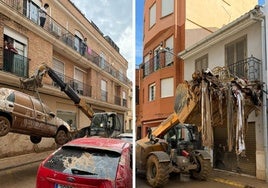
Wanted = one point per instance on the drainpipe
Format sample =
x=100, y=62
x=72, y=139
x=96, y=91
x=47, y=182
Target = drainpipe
x=264, y=79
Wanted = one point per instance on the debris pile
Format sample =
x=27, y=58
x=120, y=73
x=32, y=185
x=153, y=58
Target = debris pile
x=223, y=100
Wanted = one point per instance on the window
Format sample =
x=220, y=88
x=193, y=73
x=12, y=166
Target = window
x=169, y=54
x=152, y=92
x=58, y=67
x=124, y=99
x=31, y=10
x=104, y=92
x=152, y=15
x=146, y=65
x=157, y=58
x=15, y=63
x=167, y=87
x=167, y=7
x=201, y=63
x=79, y=79
x=235, y=53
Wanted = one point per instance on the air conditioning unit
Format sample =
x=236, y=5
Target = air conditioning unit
x=55, y=29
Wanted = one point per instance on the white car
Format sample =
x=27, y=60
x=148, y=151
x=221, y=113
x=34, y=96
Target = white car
x=24, y=114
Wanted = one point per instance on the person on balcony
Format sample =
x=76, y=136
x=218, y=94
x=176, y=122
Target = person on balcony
x=84, y=47
x=9, y=55
x=43, y=15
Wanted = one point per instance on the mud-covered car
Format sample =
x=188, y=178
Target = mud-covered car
x=87, y=162
x=24, y=114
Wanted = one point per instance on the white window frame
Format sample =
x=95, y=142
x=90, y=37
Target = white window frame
x=167, y=87
x=167, y=7
x=169, y=53
x=152, y=92
x=201, y=63
x=152, y=15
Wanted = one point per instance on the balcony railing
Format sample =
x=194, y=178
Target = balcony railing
x=249, y=69
x=159, y=61
x=84, y=89
x=62, y=34
x=15, y=64
x=117, y=100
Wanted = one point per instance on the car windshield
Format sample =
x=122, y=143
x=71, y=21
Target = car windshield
x=95, y=163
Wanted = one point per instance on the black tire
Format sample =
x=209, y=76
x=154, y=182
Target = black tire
x=4, y=126
x=157, y=174
x=203, y=169
x=61, y=137
x=35, y=139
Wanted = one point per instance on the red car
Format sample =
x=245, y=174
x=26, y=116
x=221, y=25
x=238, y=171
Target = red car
x=88, y=162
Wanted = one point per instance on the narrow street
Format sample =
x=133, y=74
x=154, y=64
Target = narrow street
x=184, y=181
x=20, y=177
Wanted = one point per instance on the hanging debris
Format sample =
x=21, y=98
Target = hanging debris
x=224, y=100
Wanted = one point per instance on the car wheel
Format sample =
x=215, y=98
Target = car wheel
x=35, y=139
x=4, y=126
x=61, y=137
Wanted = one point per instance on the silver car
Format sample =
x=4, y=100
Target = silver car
x=24, y=114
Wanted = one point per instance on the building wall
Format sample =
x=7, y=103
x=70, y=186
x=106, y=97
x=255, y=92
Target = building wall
x=201, y=22
x=216, y=57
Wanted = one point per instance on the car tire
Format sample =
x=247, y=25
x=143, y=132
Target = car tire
x=4, y=126
x=35, y=139
x=61, y=137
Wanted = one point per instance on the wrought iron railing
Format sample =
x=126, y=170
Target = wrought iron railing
x=249, y=69
x=15, y=63
x=62, y=34
x=117, y=100
x=159, y=61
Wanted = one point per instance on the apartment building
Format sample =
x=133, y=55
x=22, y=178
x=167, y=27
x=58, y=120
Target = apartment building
x=170, y=27
x=240, y=49
x=97, y=74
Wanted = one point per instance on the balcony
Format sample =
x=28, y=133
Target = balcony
x=84, y=89
x=249, y=69
x=69, y=39
x=15, y=64
x=159, y=61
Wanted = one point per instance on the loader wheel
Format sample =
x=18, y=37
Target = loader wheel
x=157, y=174
x=203, y=169
x=4, y=126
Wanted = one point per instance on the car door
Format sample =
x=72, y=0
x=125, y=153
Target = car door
x=23, y=113
x=41, y=126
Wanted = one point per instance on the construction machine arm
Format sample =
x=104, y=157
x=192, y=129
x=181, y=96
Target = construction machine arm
x=184, y=105
x=67, y=89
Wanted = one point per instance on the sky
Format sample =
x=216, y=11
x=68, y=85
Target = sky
x=114, y=18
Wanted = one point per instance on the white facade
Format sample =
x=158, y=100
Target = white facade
x=250, y=27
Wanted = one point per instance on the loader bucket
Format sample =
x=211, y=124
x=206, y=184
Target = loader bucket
x=182, y=96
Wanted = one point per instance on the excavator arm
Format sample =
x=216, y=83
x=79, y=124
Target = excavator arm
x=184, y=105
x=67, y=89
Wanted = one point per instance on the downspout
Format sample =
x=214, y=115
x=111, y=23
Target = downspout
x=264, y=79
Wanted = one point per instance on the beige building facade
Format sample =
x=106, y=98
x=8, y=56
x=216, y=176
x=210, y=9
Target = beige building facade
x=97, y=74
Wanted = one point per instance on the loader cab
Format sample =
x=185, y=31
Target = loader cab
x=105, y=124
x=183, y=136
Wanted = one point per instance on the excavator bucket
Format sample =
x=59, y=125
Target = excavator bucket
x=182, y=97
